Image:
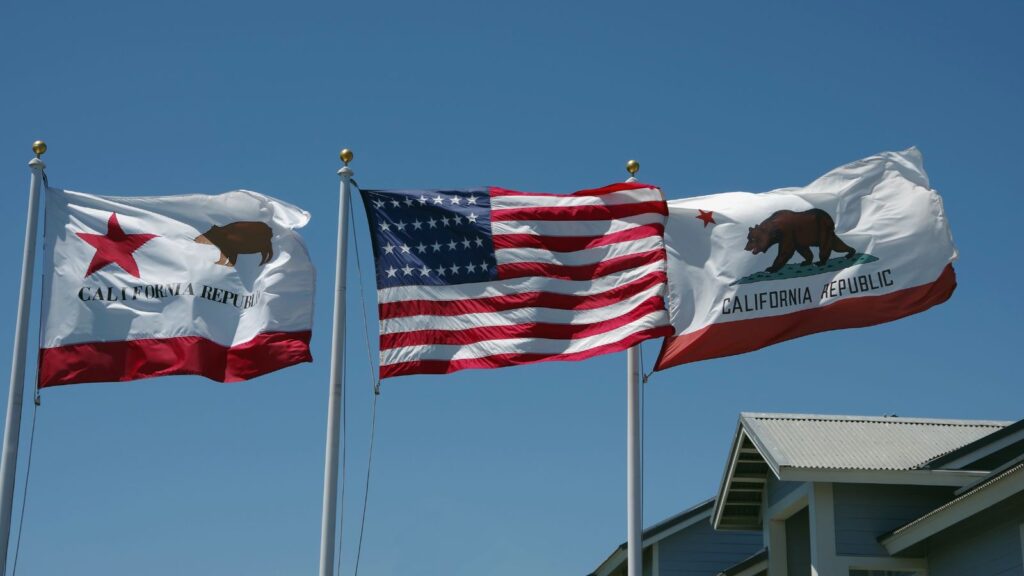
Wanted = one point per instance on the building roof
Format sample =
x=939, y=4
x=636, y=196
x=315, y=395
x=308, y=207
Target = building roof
x=814, y=447
x=979, y=453
x=859, y=442
x=657, y=532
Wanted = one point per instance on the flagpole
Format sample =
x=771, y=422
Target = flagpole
x=337, y=382
x=12, y=426
x=634, y=456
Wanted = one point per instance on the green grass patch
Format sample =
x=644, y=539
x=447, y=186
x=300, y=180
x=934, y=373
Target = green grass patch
x=797, y=271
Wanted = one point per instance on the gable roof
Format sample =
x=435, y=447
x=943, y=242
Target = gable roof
x=859, y=442
x=814, y=447
x=657, y=532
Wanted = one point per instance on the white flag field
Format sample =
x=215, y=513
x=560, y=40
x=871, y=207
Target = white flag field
x=864, y=244
x=135, y=287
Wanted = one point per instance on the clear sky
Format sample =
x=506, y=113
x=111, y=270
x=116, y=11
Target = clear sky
x=511, y=471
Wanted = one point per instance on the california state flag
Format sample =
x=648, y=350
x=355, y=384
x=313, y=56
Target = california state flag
x=219, y=286
x=864, y=244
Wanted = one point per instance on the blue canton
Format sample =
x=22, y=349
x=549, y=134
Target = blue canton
x=431, y=237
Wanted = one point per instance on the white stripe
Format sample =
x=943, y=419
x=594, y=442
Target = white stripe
x=579, y=257
x=520, y=345
x=613, y=198
x=516, y=286
x=575, y=227
x=516, y=316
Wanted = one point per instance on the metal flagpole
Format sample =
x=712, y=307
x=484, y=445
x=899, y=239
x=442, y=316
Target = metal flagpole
x=337, y=385
x=12, y=426
x=634, y=456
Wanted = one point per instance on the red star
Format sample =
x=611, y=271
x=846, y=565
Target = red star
x=115, y=247
x=706, y=217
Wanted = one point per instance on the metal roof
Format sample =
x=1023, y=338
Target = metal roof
x=813, y=447
x=859, y=442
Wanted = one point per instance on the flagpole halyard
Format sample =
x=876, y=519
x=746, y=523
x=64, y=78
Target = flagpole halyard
x=337, y=378
x=12, y=425
x=634, y=456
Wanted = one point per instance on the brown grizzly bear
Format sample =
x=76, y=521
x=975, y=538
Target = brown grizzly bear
x=797, y=232
x=239, y=238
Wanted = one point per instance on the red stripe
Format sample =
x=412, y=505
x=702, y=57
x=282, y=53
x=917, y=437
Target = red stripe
x=500, y=360
x=134, y=359
x=582, y=272
x=574, y=243
x=729, y=338
x=545, y=330
x=619, y=187
x=587, y=212
x=520, y=300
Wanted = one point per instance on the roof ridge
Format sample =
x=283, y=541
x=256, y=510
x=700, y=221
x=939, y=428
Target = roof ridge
x=878, y=419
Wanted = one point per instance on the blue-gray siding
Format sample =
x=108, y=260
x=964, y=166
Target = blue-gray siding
x=988, y=544
x=798, y=544
x=777, y=489
x=864, y=512
x=698, y=550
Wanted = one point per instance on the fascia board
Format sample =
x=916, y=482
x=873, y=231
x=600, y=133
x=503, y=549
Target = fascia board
x=910, y=477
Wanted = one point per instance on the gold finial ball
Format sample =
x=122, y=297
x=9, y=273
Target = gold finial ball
x=632, y=167
x=346, y=156
x=39, y=147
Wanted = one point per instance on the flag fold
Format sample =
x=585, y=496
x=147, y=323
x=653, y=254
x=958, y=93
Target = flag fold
x=864, y=244
x=136, y=287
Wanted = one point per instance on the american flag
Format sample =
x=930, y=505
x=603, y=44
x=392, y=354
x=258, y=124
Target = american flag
x=487, y=277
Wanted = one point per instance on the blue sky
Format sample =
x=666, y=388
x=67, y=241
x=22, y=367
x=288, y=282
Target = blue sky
x=507, y=471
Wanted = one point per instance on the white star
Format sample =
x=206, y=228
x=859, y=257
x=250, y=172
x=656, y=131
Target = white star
x=452, y=245
x=466, y=243
x=471, y=217
x=440, y=270
x=400, y=225
x=438, y=200
x=455, y=200
x=378, y=204
x=421, y=248
x=432, y=223
x=384, y=226
x=404, y=248
x=423, y=200
x=457, y=219
x=424, y=271
x=471, y=200
x=395, y=203
x=408, y=201
x=470, y=268
x=389, y=249
x=407, y=270
x=436, y=246
x=479, y=242
x=444, y=221
x=416, y=225
x=391, y=272
x=454, y=269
